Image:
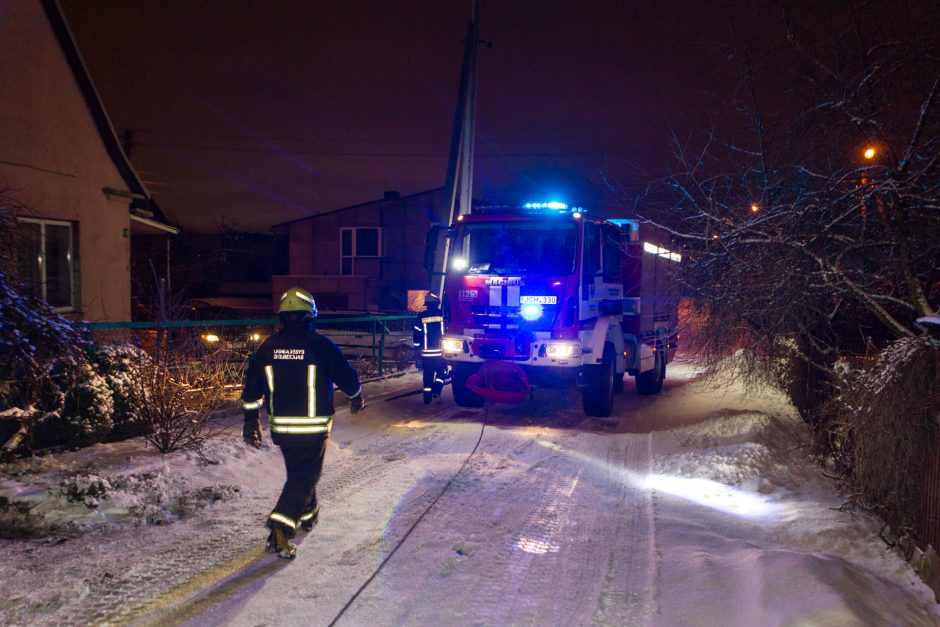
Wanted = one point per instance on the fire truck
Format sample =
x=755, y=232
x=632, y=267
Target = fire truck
x=545, y=295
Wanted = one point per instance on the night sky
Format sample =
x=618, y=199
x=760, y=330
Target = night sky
x=246, y=114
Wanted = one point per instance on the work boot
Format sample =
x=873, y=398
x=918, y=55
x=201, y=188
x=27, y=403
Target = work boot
x=279, y=544
x=309, y=520
x=427, y=398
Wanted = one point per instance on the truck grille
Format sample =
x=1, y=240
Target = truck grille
x=504, y=317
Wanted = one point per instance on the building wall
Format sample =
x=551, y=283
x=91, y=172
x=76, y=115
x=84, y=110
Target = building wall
x=315, y=249
x=52, y=158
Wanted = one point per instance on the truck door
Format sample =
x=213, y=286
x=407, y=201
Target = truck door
x=590, y=270
x=601, y=285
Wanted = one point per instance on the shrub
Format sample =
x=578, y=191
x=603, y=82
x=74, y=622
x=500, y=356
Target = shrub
x=120, y=365
x=40, y=352
x=183, y=390
x=89, y=405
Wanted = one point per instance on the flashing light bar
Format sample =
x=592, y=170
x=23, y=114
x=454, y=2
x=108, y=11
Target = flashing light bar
x=551, y=207
x=662, y=252
x=553, y=204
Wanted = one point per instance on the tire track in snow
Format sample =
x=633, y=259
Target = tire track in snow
x=536, y=533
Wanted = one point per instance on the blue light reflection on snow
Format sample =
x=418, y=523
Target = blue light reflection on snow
x=704, y=492
x=714, y=495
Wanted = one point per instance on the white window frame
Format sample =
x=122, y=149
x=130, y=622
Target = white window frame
x=355, y=255
x=70, y=258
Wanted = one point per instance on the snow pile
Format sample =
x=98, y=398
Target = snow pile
x=74, y=493
x=752, y=532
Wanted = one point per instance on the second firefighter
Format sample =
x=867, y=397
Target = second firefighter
x=429, y=327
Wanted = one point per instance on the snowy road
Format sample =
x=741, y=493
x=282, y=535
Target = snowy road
x=699, y=506
x=519, y=536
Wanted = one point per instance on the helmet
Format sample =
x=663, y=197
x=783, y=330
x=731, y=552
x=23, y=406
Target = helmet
x=298, y=299
x=431, y=299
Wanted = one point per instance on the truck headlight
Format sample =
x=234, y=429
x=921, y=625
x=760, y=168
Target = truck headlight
x=561, y=351
x=451, y=345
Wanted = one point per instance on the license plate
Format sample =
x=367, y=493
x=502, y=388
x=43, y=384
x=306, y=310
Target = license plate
x=538, y=300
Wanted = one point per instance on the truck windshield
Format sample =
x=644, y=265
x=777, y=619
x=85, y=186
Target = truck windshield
x=527, y=247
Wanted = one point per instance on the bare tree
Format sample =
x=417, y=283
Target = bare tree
x=810, y=211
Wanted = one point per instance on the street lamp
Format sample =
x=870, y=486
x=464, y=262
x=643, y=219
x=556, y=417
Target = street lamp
x=869, y=153
x=755, y=207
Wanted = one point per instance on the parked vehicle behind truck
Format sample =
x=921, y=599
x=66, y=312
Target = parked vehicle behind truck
x=545, y=295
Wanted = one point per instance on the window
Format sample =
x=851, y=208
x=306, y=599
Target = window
x=591, y=259
x=358, y=242
x=46, y=261
x=611, y=254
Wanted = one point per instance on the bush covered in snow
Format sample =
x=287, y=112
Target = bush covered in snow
x=89, y=404
x=39, y=352
x=120, y=364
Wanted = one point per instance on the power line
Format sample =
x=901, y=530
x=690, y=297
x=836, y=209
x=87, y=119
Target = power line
x=337, y=153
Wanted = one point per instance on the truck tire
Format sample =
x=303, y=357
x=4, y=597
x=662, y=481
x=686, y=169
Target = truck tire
x=651, y=381
x=599, y=385
x=462, y=396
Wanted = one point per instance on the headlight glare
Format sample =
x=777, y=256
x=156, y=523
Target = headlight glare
x=451, y=345
x=560, y=351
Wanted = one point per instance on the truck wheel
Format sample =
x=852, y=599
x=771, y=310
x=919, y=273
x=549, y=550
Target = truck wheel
x=598, y=391
x=462, y=396
x=651, y=381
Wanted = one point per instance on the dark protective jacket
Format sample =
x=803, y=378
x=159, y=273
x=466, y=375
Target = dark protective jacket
x=429, y=327
x=292, y=373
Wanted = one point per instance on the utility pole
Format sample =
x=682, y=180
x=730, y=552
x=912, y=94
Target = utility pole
x=458, y=188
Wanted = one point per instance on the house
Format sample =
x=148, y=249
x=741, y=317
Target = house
x=365, y=257
x=77, y=199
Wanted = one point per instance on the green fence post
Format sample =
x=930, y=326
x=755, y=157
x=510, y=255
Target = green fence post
x=382, y=350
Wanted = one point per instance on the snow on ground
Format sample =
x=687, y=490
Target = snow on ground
x=746, y=530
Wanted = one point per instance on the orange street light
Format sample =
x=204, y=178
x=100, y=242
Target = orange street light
x=870, y=153
x=755, y=207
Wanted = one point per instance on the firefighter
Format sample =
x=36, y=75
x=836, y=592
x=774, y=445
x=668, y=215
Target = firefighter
x=429, y=327
x=292, y=374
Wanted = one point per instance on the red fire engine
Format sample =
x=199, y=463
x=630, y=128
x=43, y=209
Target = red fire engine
x=544, y=295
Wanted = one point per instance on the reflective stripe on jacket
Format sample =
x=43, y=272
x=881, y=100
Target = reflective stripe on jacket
x=428, y=329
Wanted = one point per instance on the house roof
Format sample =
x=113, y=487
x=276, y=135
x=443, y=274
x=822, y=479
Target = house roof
x=140, y=197
x=360, y=205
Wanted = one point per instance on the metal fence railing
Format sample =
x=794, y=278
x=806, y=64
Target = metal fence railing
x=375, y=337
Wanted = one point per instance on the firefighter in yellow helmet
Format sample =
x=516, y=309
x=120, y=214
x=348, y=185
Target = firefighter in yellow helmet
x=292, y=375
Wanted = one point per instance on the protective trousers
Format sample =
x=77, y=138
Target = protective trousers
x=433, y=377
x=299, y=496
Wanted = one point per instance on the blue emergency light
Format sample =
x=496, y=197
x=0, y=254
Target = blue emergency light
x=531, y=311
x=552, y=204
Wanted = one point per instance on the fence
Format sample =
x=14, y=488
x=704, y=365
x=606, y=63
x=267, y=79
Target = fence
x=360, y=336
x=927, y=527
